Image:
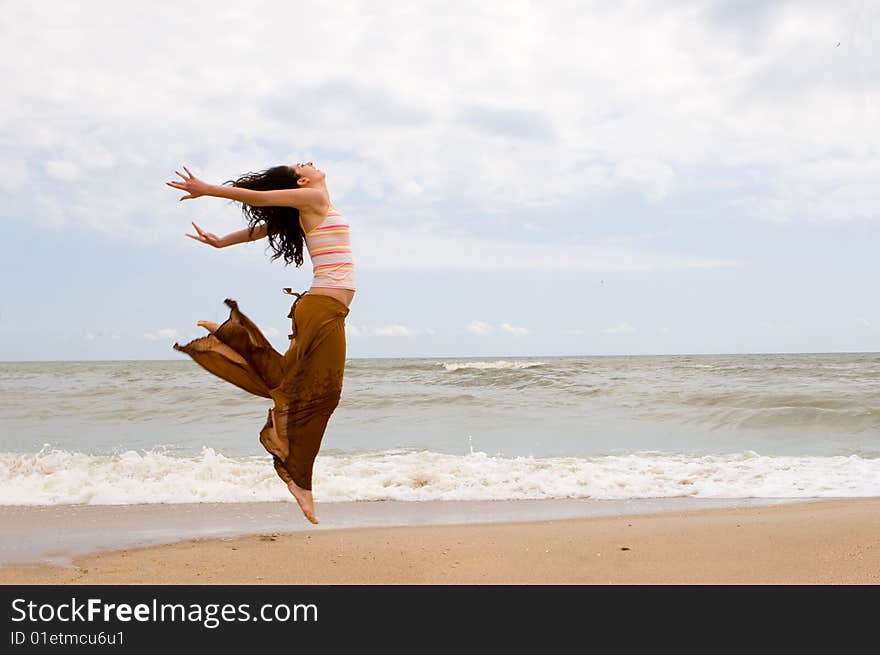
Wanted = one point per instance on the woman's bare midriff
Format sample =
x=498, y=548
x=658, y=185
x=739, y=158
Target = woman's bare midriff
x=345, y=296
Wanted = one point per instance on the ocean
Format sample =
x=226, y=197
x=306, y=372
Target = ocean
x=442, y=429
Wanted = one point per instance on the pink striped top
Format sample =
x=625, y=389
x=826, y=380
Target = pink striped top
x=329, y=246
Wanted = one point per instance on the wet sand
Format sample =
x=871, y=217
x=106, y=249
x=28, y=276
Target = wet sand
x=833, y=541
x=58, y=533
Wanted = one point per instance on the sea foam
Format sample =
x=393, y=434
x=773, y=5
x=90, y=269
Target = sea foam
x=57, y=477
x=488, y=365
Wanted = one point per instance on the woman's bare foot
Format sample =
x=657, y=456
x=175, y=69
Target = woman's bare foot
x=210, y=326
x=304, y=498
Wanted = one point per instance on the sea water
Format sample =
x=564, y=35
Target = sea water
x=469, y=429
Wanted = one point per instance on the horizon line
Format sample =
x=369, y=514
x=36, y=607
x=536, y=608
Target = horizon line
x=694, y=354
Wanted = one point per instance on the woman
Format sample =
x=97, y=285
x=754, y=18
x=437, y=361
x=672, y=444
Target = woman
x=288, y=204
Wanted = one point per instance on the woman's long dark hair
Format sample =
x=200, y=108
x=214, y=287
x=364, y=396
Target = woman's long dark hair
x=284, y=232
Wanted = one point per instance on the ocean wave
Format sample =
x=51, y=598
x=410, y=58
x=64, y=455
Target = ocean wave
x=59, y=477
x=484, y=365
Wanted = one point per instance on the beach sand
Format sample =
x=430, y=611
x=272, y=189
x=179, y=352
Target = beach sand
x=819, y=542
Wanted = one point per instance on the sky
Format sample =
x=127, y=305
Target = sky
x=521, y=178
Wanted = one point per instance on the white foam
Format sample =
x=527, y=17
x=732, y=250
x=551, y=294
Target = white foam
x=57, y=477
x=502, y=364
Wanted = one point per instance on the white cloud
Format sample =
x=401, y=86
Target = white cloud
x=635, y=95
x=480, y=328
x=161, y=333
x=512, y=329
x=63, y=170
x=272, y=332
x=575, y=331
x=415, y=248
x=391, y=330
x=483, y=329
x=620, y=328
x=15, y=172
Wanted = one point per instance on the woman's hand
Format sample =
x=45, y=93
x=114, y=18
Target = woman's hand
x=192, y=184
x=207, y=237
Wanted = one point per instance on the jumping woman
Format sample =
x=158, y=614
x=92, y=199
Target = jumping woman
x=288, y=204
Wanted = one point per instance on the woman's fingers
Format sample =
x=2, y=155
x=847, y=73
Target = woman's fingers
x=184, y=185
x=185, y=178
x=204, y=237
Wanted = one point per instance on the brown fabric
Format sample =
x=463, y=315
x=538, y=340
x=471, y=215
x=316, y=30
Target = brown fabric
x=305, y=382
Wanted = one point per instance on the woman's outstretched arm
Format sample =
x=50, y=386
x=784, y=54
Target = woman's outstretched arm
x=275, y=198
x=242, y=236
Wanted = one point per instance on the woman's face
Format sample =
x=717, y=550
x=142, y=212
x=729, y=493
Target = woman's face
x=308, y=170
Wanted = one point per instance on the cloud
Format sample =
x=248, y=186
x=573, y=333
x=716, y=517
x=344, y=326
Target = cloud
x=483, y=329
x=480, y=328
x=272, y=332
x=63, y=170
x=414, y=248
x=620, y=328
x=162, y=333
x=511, y=329
x=15, y=171
x=391, y=330
x=343, y=98
x=587, y=96
x=100, y=334
x=516, y=123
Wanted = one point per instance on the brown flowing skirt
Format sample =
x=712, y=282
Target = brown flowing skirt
x=305, y=383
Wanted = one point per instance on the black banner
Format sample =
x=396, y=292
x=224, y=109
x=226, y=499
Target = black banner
x=137, y=618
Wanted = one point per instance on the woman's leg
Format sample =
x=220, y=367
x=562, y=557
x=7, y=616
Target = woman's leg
x=309, y=392
x=237, y=352
x=304, y=500
x=280, y=451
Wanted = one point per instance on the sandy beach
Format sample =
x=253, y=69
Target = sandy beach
x=818, y=542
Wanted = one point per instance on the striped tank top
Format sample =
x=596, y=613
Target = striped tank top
x=329, y=246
